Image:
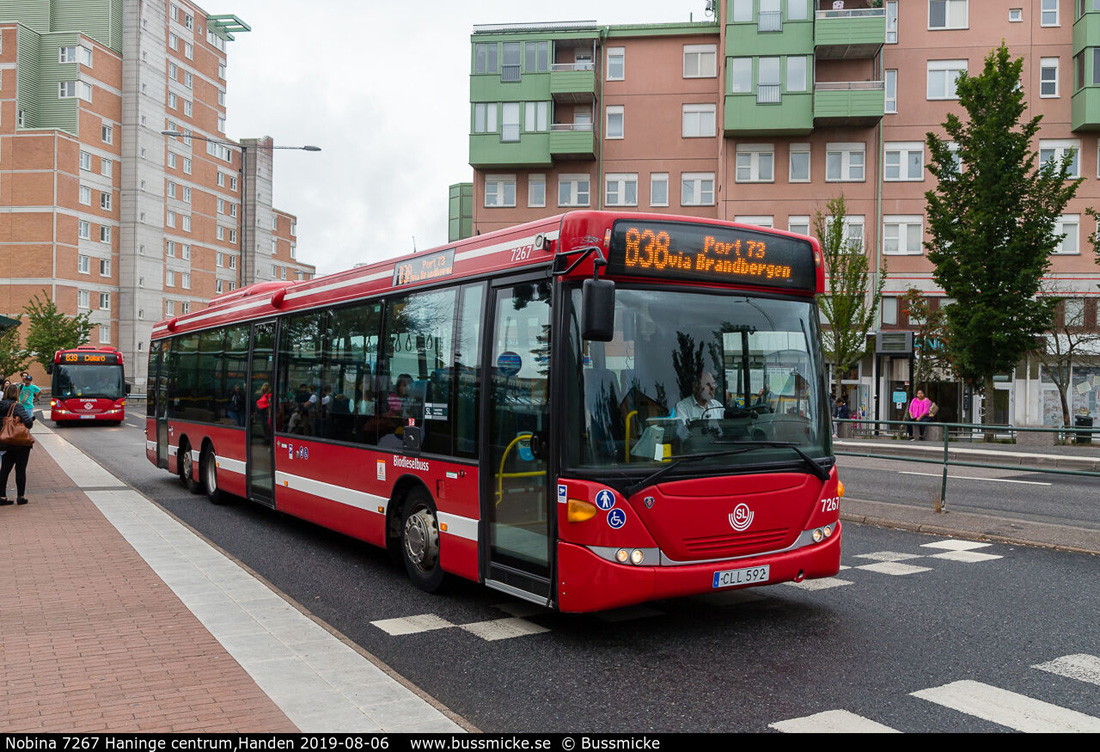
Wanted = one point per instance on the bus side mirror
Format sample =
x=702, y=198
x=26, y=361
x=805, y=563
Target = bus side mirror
x=49, y=368
x=598, y=310
x=128, y=387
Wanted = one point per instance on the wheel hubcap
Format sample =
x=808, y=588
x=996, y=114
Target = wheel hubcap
x=211, y=475
x=422, y=539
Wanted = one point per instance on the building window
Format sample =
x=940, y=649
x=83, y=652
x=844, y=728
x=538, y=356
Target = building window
x=769, y=86
x=616, y=63
x=104, y=234
x=85, y=160
x=755, y=163
x=700, y=61
x=169, y=308
x=185, y=281
x=485, y=117
x=105, y=201
x=903, y=161
x=853, y=232
x=799, y=168
x=500, y=191
x=740, y=75
x=615, y=117
x=947, y=14
x=890, y=84
x=536, y=191
x=1067, y=226
x=485, y=58
x=844, y=163
x=74, y=89
x=219, y=286
x=1074, y=311
x=509, y=121
x=889, y=310
x=574, y=190
x=169, y=278
x=84, y=229
x=755, y=220
x=798, y=73
x=83, y=264
x=185, y=307
x=85, y=195
x=170, y=221
x=106, y=167
x=537, y=117
x=697, y=189
x=1048, y=77
x=658, y=189
x=1015, y=15
x=1052, y=151
x=902, y=235
x=891, y=21
x=1049, y=13
x=697, y=120
x=105, y=267
x=185, y=251
x=537, y=56
x=740, y=11
x=186, y=222
x=83, y=299
x=105, y=301
x=799, y=224
x=941, y=78
x=621, y=189
x=107, y=134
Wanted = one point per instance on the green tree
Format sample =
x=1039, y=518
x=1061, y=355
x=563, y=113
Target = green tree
x=50, y=330
x=13, y=358
x=930, y=351
x=991, y=223
x=852, y=300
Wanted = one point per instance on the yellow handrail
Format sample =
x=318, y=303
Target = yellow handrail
x=501, y=475
x=627, y=442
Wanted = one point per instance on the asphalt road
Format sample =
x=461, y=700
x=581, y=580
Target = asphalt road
x=905, y=616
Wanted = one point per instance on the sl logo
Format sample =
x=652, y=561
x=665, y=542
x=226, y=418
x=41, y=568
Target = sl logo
x=741, y=518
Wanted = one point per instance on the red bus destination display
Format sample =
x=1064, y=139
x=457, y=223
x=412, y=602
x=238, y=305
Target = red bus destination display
x=109, y=359
x=678, y=250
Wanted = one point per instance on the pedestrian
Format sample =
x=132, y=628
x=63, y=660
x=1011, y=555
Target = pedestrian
x=918, y=411
x=28, y=393
x=14, y=456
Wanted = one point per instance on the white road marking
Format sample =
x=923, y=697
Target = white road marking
x=503, y=629
x=889, y=556
x=967, y=557
x=825, y=583
x=412, y=624
x=1079, y=666
x=971, y=477
x=893, y=568
x=1009, y=709
x=832, y=722
x=956, y=545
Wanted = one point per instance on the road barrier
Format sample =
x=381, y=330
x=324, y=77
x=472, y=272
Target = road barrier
x=1083, y=459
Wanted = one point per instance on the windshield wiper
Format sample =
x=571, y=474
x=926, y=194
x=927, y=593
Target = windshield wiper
x=816, y=468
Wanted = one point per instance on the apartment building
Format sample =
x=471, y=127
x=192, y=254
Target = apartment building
x=99, y=209
x=767, y=109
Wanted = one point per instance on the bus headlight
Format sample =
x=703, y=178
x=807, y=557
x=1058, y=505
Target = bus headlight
x=622, y=555
x=636, y=556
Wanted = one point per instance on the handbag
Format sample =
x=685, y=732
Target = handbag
x=14, y=432
x=933, y=410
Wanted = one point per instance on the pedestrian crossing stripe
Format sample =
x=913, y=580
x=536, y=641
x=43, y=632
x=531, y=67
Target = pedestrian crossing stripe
x=977, y=699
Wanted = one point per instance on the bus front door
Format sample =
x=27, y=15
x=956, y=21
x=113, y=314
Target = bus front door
x=261, y=411
x=515, y=500
x=158, y=392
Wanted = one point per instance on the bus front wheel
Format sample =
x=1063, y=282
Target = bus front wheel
x=187, y=469
x=420, y=541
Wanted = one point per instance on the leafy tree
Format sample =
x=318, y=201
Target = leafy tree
x=1065, y=341
x=930, y=350
x=50, y=330
x=852, y=300
x=991, y=221
x=13, y=358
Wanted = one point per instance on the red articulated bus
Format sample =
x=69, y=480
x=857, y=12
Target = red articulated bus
x=588, y=411
x=88, y=384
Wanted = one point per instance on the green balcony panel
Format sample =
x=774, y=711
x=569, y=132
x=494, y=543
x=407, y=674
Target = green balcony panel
x=1086, y=31
x=792, y=115
x=568, y=144
x=1086, y=109
x=573, y=85
x=859, y=103
x=849, y=34
x=488, y=151
x=532, y=87
x=746, y=40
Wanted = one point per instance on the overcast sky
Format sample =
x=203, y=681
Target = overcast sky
x=383, y=88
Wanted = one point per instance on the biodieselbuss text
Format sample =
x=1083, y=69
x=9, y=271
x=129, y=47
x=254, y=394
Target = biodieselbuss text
x=589, y=411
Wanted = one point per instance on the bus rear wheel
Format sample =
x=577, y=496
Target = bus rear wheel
x=209, y=469
x=187, y=469
x=420, y=541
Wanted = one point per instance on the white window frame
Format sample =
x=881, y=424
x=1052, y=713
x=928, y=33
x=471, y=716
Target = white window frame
x=84, y=229
x=891, y=21
x=890, y=88
x=105, y=200
x=696, y=183
x=897, y=239
x=615, y=122
x=105, y=234
x=1048, y=77
x=617, y=189
x=619, y=54
x=940, y=73
x=1076, y=316
x=1069, y=226
x=536, y=117
x=755, y=163
x=802, y=150
x=658, y=181
x=904, y=151
x=574, y=190
x=85, y=160
x=536, y=187
x=83, y=299
x=799, y=223
x=1049, y=13
x=104, y=301
x=851, y=168
x=105, y=267
x=83, y=264
x=759, y=220
x=500, y=191
x=700, y=61
x=951, y=15
x=170, y=278
x=86, y=195
x=106, y=167
x=106, y=133
x=698, y=120
x=1057, y=148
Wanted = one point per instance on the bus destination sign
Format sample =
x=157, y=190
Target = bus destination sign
x=109, y=359
x=424, y=268
x=680, y=250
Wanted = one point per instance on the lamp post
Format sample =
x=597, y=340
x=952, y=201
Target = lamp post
x=242, y=274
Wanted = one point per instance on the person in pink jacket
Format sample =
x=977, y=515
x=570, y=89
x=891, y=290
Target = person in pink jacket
x=918, y=411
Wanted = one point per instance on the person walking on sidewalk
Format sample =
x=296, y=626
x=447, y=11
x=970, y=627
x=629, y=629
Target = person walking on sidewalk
x=28, y=393
x=14, y=456
x=918, y=411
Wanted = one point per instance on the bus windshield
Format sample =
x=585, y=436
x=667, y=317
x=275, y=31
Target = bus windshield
x=693, y=374
x=86, y=381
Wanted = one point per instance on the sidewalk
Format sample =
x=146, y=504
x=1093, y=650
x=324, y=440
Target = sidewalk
x=114, y=617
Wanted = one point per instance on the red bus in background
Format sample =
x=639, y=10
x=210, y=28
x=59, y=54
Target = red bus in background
x=88, y=384
x=588, y=411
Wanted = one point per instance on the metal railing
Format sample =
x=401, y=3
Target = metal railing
x=888, y=431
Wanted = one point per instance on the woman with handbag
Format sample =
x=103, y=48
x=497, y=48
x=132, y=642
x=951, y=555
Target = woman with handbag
x=16, y=441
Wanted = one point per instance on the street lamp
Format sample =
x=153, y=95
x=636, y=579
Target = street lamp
x=241, y=276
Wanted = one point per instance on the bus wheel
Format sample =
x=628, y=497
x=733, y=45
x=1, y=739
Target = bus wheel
x=420, y=541
x=209, y=469
x=187, y=469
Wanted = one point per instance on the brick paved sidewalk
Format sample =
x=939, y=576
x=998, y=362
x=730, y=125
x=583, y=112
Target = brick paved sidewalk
x=92, y=640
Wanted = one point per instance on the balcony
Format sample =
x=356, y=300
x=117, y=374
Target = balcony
x=768, y=111
x=849, y=103
x=849, y=34
x=572, y=142
x=573, y=82
x=492, y=150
